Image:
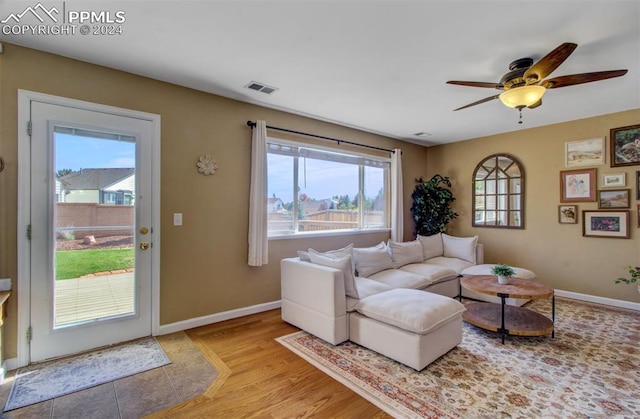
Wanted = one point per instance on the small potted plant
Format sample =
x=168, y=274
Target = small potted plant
x=635, y=277
x=503, y=272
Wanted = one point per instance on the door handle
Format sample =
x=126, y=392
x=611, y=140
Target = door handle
x=145, y=245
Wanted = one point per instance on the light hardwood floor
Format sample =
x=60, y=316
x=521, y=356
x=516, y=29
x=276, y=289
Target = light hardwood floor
x=260, y=378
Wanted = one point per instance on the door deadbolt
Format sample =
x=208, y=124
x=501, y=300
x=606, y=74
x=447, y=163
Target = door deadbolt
x=144, y=230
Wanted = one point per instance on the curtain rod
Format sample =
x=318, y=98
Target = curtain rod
x=252, y=124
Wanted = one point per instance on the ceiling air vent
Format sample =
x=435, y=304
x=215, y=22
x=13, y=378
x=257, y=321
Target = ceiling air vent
x=261, y=87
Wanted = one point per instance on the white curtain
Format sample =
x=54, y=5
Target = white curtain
x=258, y=242
x=397, y=220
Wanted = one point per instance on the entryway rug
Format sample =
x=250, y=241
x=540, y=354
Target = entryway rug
x=47, y=380
x=590, y=369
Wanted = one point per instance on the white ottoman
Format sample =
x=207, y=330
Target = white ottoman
x=410, y=326
x=485, y=269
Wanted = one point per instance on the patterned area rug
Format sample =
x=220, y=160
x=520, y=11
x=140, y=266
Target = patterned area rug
x=47, y=380
x=590, y=369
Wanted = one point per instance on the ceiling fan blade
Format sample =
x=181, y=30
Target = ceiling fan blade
x=535, y=105
x=487, y=99
x=549, y=62
x=476, y=84
x=574, y=79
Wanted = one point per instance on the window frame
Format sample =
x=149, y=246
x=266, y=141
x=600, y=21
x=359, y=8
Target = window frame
x=508, y=195
x=386, y=161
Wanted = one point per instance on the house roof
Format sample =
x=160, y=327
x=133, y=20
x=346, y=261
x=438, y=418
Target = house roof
x=98, y=179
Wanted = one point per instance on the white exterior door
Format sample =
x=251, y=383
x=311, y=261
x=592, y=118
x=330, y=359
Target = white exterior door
x=91, y=228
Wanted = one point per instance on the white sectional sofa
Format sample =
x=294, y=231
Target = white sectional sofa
x=355, y=293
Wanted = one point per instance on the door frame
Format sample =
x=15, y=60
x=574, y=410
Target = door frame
x=25, y=98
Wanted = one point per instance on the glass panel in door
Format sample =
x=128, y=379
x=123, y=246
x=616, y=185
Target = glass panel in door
x=94, y=219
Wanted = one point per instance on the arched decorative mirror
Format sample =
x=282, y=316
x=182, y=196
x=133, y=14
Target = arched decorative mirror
x=498, y=193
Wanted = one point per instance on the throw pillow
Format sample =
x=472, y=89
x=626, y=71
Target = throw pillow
x=339, y=262
x=347, y=250
x=460, y=247
x=406, y=253
x=371, y=260
x=431, y=245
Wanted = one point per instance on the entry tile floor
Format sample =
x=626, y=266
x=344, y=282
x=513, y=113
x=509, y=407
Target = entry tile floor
x=188, y=376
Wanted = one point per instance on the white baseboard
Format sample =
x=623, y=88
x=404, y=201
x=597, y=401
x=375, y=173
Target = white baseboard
x=599, y=300
x=217, y=317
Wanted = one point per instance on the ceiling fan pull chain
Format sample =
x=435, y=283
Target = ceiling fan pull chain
x=520, y=121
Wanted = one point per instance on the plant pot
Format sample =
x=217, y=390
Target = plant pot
x=503, y=280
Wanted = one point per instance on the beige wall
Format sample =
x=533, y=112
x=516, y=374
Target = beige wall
x=558, y=253
x=203, y=265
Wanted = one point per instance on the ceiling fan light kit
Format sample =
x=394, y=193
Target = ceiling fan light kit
x=522, y=97
x=524, y=85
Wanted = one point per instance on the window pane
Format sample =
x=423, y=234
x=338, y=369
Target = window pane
x=502, y=218
x=280, y=192
x=491, y=187
x=328, y=195
x=374, y=208
x=490, y=203
x=503, y=185
x=514, y=218
x=515, y=185
x=502, y=202
x=318, y=190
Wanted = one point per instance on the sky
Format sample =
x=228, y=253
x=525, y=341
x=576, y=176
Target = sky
x=76, y=152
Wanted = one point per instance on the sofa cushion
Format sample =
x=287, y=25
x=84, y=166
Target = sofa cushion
x=396, y=278
x=347, y=250
x=339, y=262
x=456, y=264
x=412, y=310
x=370, y=260
x=431, y=246
x=433, y=273
x=460, y=247
x=405, y=253
x=366, y=287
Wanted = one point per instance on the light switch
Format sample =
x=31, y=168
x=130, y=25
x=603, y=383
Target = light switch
x=177, y=219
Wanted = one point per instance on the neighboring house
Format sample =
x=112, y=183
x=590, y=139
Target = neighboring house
x=274, y=205
x=111, y=186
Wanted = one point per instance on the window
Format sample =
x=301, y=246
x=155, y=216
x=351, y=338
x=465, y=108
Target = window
x=498, y=196
x=313, y=189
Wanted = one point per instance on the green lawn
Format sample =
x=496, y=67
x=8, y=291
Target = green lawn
x=75, y=263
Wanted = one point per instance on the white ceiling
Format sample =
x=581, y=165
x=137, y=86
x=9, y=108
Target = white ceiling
x=379, y=66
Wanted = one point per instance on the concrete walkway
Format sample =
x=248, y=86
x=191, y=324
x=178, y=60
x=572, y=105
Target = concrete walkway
x=83, y=299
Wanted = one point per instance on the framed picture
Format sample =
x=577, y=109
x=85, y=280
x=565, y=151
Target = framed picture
x=615, y=198
x=625, y=146
x=578, y=185
x=603, y=223
x=568, y=214
x=638, y=186
x=611, y=180
x=584, y=152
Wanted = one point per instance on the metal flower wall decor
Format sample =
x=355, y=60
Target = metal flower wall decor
x=206, y=165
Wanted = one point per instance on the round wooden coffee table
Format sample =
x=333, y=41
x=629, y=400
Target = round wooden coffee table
x=507, y=319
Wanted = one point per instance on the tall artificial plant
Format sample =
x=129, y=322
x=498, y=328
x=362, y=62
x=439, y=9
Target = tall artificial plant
x=431, y=207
